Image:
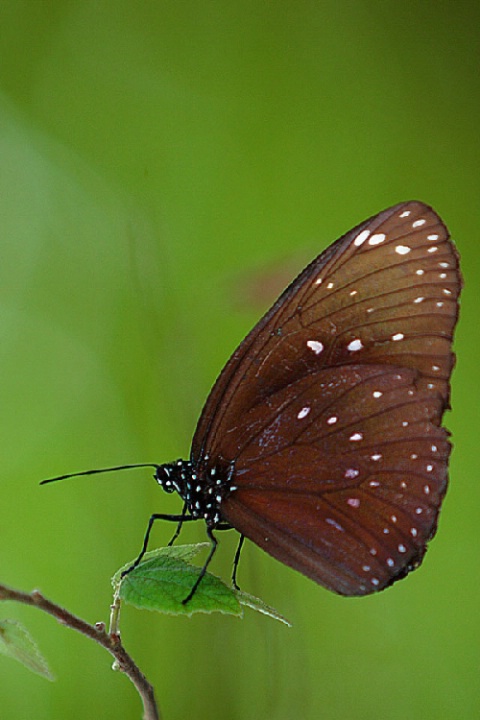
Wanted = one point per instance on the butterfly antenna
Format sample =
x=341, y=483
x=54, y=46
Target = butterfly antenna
x=98, y=471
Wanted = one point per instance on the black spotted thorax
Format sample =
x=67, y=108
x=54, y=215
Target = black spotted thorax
x=202, y=488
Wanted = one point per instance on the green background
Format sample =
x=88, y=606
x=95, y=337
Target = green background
x=164, y=168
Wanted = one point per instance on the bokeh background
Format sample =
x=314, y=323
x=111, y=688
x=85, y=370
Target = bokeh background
x=164, y=168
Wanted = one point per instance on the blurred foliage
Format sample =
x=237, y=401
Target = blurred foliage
x=156, y=159
x=17, y=643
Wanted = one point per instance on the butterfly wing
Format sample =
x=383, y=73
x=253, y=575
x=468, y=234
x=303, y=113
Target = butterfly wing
x=330, y=408
x=344, y=478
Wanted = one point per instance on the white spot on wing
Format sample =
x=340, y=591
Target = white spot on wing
x=315, y=345
x=334, y=524
x=353, y=502
x=398, y=336
x=403, y=249
x=377, y=239
x=356, y=437
x=351, y=473
x=405, y=213
x=355, y=345
x=361, y=237
x=303, y=412
x=418, y=223
x=332, y=420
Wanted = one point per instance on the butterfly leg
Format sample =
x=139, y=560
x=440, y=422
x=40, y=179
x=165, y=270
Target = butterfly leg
x=180, y=519
x=213, y=547
x=236, y=560
x=179, y=526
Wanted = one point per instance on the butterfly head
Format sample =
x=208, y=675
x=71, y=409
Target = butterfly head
x=174, y=477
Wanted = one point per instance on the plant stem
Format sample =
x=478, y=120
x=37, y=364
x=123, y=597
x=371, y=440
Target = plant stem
x=109, y=640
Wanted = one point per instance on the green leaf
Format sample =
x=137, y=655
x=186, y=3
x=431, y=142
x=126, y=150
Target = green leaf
x=258, y=605
x=164, y=579
x=183, y=552
x=16, y=642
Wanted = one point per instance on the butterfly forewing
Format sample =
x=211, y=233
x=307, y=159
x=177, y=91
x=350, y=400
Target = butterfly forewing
x=329, y=411
x=385, y=292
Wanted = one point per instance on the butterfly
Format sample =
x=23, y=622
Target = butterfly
x=321, y=440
